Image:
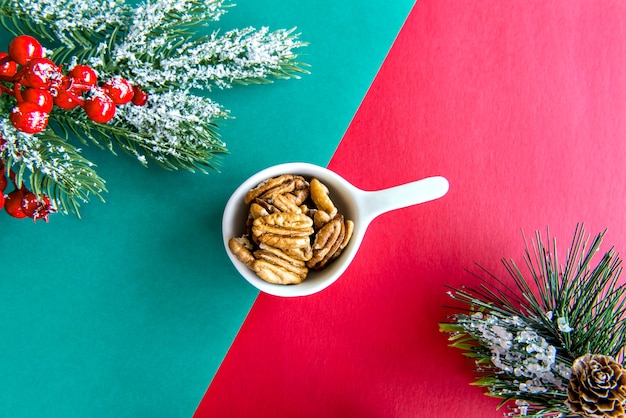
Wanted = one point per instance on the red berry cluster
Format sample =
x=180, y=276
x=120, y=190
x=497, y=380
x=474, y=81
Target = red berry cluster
x=38, y=84
x=21, y=202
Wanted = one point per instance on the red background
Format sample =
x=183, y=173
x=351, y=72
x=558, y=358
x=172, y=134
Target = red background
x=522, y=106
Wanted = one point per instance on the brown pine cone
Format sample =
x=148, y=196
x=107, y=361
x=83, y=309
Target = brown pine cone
x=597, y=387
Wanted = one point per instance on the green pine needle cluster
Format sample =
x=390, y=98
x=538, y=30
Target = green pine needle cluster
x=525, y=332
x=169, y=49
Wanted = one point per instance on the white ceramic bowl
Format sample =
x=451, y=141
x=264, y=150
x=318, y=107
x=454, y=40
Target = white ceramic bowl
x=358, y=205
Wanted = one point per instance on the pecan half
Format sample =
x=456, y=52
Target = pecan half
x=241, y=248
x=327, y=241
x=256, y=210
x=282, y=223
x=279, y=258
x=275, y=274
x=305, y=253
x=321, y=218
x=300, y=194
x=285, y=243
x=267, y=185
x=321, y=198
x=275, y=186
x=349, y=226
x=286, y=203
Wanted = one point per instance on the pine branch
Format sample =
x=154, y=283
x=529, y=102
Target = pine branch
x=549, y=318
x=157, y=46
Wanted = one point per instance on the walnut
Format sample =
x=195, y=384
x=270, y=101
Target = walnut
x=292, y=226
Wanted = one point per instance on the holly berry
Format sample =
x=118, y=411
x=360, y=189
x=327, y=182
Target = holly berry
x=13, y=204
x=65, y=100
x=29, y=118
x=84, y=74
x=29, y=203
x=119, y=90
x=99, y=107
x=40, y=73
x=140, y=98
x=24, y=48
x=2, y=199
x=8, y=67
x=40, y=97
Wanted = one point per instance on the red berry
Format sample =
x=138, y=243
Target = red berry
x=3, y=183
x=41, y=98
x=65, y=100
x=84, y=74
x=119, y=90
x=29, y=204
x=13, y=204
x=24, y=48
x=140, y=97
x=99, y=107
x=29, y=118
x=8, y=68
x=40, y=73
x=2, y=199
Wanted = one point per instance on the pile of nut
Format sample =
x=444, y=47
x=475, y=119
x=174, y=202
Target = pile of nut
x=292, y=226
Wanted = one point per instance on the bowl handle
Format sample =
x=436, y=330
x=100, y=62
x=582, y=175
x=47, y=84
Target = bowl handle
x=378, y=202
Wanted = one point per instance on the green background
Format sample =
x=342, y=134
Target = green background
x=130, y=310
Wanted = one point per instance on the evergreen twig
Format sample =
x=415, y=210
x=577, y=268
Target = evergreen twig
x=551, y=316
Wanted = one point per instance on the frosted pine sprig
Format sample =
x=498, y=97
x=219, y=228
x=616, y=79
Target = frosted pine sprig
x=154, y=18
x=167, y=48
x=238, y=56
x=149, y=32
x=524, y=338
x=170, y=127
x=62, y=19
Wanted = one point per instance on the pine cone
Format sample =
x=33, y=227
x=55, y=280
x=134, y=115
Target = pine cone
x=597, y=387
